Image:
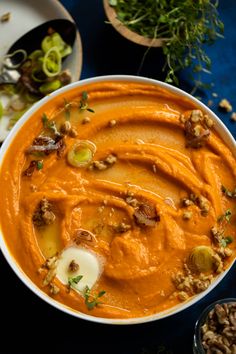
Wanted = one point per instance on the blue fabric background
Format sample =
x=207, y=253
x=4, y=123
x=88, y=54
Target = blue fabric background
x=31, y=326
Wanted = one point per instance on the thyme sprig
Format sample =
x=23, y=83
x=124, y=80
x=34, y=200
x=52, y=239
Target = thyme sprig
x=72, y=281
x=185, y=26
x=83, y=104
x=92, y=301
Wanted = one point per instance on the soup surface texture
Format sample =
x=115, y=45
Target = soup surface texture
x=118, y=199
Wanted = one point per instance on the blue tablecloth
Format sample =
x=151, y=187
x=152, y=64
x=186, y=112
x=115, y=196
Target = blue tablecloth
x=31, y=326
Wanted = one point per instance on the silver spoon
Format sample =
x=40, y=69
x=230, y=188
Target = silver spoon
x=31, y=41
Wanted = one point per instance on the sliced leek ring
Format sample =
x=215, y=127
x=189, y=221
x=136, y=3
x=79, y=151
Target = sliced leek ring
x=81, y=153
x=201, y=259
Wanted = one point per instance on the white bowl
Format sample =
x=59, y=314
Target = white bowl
x=220, y=128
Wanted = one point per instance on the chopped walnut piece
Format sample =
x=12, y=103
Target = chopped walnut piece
x=73, y=133
x=103, y=164
x=86, y=120
x=30, y=169
x=112, y=123
x=185, y=202
x=183, y=296
x=73, y=266
x=110, y=159
x=196, y=116
x=196, y=135
x=225, y=105
x=65, y=127
x=50, y=265
x=53, y=289
x=187, y=215
x=203, y=204
x=47, y=145
x=209, y=122
x=218, y=264
x=98, y=165
x=121, y=228
x=191, y=283
x=132, y=201
x=43, y=214
x=233, y=117
x=217, y=235
x=146, y=215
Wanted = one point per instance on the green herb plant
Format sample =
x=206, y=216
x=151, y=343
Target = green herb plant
x=184, y=25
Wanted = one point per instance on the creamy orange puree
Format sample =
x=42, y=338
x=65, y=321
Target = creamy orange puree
x=140, y=125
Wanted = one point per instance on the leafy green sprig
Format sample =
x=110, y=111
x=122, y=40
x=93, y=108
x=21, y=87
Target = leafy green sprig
x=83, y=104
x=185, y=26
x=92, y=301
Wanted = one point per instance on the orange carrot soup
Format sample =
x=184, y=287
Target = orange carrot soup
x=118, y=199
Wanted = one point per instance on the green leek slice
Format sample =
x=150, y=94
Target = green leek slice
x=81, y=153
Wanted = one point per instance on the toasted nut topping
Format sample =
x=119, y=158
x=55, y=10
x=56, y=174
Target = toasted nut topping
x=209, y=122
x=86, y=120
x=233, y=117
x=53, y=289
x=73, y=266
x=225, y=105
x=65, y=127
x=187, y=215
x=196, y=116
x=112, y=123
x=73, y=133
x=183, y=296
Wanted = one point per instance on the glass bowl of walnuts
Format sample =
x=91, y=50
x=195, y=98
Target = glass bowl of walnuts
x=215, y=330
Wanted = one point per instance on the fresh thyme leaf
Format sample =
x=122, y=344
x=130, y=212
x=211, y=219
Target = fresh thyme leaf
x=228, y=193
x=39, y=165
x=45, y=120
x=72, y=281
x=90, y=110
x=50, y=125
x=226, y=241
x=185, y=25
x=83, y=104
x=67, y=106
x=38, y=153
x=84, y=95
x=226, y=216
x=92, y=301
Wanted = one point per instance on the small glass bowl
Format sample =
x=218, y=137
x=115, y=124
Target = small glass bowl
x=197, y=341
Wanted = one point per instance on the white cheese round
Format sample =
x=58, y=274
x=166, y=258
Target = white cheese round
x=88, y=267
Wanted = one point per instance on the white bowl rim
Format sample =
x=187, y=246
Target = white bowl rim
x=220, y=128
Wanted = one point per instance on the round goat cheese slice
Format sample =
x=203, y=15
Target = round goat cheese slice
x=78, y=268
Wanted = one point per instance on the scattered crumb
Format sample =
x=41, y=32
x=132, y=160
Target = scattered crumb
x=214, y=94
x=209, y=122
x=86, y=120
x=112, y=123
x=233, y=117
x=5, y=17
x=187, y=215
x=210, y=103
x=225, y=105
x=73, y=133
